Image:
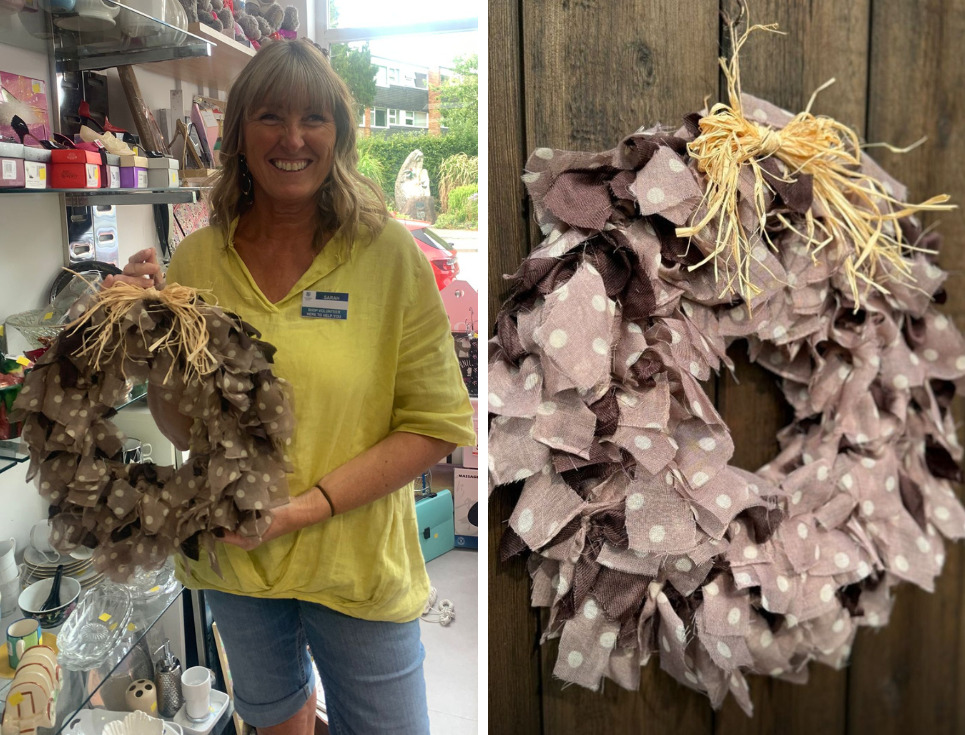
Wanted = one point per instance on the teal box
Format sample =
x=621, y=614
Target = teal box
x=436, y=524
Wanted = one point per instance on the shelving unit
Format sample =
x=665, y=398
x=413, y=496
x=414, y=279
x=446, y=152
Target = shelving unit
x=85, y=197
x=218, y=69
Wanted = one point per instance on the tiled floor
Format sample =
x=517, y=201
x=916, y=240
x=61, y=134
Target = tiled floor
x=452, y=655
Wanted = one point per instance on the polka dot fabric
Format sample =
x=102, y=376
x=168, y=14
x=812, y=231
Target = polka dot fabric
x=137, y=515
x=645, y=540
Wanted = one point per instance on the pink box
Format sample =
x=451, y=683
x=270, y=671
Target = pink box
x=11, y=173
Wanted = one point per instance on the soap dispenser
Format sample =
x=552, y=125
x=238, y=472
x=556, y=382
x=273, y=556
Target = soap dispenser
x=167, y=677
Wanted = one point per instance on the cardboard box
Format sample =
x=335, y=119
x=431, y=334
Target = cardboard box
x=162, y=173
x=133, y=172
x=74, y=155
x=35, y=175
x=11, y=173
x=75, y=175
x=466, y=501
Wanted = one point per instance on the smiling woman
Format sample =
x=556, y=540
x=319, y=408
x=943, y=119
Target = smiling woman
x=301, y=247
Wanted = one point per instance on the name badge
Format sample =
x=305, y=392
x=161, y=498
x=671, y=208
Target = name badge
x=324, y=305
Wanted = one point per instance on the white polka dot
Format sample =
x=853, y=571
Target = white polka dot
x=708, y=444
x=698, y=411
x=847, y=480
x=863, y=569
x=802, y=530
x=867, y=507
x=767, y=638
x=939, y=559
x=901, y=563
x=632, y=359
x=737, y=314
x=643, y=442
x=900, y=382
x=599, y=302
x=524, y=473
x=930, y=355
x=941, y=513
x=495, y=401
x=724, y=501
x=923, y=544
x=525, y=521
x=759, y=254
x=668, y=478
x=561, y=583
x=734, y=616
x=941, y=322
x=546, y=408
x=635, y=501
x=779, y=331
x=743, y=579
x=558, y=338
x=782, y=583
x=634, y=328
x=675, y=165
x=711, y=589
x=838, y=625
x=662, y=598
x=655, y=195
x=960, y=363
x=690, y=677
x=665, y=643
x=841, y=560
x=723, y=649
x=530, y=176
x=844, y=372
x=681, y=634
x=694, y=369
x=601, y=346
x=868, y=463
x=590, y=609
x=700, y=479
x=674, y=337
x=750, y=552
x=873, y=619
x=791, y=620
x=657, y=534
x=608, y=639
x=759, y=114
x=890, y=484
x=574, y=659
x=546, y=154
x=796, y=497
x=531, y=380
x=683, y=564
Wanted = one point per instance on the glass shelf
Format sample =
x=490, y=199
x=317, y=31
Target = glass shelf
x=85, y=197
x=133, y=659
x=100, y=38
x=13, y=451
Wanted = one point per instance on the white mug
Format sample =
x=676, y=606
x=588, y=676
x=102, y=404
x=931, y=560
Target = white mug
x=135, y=451
x=196, y=690
x=40, y=540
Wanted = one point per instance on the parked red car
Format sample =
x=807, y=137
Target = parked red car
x=443, y=260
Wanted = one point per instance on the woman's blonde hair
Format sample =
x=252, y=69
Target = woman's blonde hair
x=280, y=73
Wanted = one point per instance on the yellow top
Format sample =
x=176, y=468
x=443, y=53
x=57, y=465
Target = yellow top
x=390, y=365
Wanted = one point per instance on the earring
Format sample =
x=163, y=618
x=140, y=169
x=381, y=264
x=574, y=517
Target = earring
x=247, y=185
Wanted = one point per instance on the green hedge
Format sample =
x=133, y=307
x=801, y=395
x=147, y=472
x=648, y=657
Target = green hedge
x=463, y=212
x=392, y=150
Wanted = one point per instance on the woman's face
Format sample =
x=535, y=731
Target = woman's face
x=289, y=152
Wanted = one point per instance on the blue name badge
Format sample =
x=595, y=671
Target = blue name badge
x=324, y=305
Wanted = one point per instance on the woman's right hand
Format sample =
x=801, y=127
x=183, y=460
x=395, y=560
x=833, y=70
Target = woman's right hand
x=142, y=270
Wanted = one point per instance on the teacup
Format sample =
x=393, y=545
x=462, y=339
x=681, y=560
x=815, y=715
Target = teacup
x=21, y=635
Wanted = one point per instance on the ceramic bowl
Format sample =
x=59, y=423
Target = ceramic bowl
x=33, y=597
x=90, y=16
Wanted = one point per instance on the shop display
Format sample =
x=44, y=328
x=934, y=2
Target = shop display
x=134, y=516
x=747, y=223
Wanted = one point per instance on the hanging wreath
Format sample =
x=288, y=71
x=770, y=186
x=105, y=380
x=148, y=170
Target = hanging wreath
x=746, y=223
x=207, y=361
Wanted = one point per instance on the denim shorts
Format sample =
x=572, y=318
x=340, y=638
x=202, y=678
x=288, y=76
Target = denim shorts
x=371, y=671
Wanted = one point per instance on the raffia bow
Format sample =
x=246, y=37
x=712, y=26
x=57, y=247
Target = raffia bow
x=860, y=214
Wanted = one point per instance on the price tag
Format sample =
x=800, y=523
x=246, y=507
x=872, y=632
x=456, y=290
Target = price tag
x=155, y=588
x=48, y=316
x=104, y=617
x=21, y=360
x=131, y=627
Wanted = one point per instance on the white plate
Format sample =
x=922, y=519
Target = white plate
x=92, y=721
x=219, y=703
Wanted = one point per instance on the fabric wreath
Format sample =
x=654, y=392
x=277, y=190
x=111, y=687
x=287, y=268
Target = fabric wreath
x=211, y=363
x=644, y=539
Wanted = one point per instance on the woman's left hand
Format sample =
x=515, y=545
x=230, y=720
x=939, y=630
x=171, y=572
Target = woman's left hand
x=142, y=270
x=299, y=512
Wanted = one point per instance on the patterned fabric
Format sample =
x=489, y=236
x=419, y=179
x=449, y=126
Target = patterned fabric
x=646, y=540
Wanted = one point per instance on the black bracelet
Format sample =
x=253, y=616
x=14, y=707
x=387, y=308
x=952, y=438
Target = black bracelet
x=328, y=499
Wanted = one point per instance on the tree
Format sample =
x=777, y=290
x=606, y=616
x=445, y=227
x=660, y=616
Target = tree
x=356, y=68
x=459, y=97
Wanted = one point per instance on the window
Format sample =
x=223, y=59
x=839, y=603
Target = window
x=421, y=80
x=379, y=118
x=409, y=117
x=393, y=75
x=393, y=117
x=381, y=77
x=421, y=119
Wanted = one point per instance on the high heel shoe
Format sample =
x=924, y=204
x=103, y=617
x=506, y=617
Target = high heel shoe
x=23, y=132
x=83, y=111
x=112, y=144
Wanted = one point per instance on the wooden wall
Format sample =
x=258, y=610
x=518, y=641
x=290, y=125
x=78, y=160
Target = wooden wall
x=581, y=74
